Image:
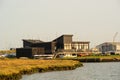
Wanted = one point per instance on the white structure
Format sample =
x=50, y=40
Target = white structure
x=95, y=51
x=109, y=47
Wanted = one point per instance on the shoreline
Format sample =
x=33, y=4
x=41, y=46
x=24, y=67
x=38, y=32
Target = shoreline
x=100, y=60
x=27, y=69
x=19, y=67
x=96, y=59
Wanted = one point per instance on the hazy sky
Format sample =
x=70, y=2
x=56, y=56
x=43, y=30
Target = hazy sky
x=88, y=20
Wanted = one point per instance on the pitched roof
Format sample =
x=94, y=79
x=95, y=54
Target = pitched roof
x=33, y=41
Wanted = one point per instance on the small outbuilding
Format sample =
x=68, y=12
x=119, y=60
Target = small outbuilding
x=29, y=52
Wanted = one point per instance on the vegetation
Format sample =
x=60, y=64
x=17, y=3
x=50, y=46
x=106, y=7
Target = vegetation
x=12, y=69
x=7, y=51
x=97, y=58
x=101, y=56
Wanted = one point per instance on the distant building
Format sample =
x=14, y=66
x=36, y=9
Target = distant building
x=63, y=43
x=95, y=51
x=109, y=47
x=12, y=48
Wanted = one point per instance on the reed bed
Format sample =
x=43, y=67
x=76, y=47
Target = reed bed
x=106, y=58
x=13, y=69
x=110, y=58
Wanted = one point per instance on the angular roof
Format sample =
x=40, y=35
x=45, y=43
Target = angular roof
x=33, y=41
x=62, y=36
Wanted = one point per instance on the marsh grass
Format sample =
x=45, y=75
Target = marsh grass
x=7, y=51
x=102, y=58
x=13, y=69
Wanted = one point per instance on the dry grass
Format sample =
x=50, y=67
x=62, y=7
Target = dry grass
x=7, y=51
x=102, y=58
x=18, y=67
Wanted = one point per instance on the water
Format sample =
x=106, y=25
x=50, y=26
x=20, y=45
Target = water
x=90, y=71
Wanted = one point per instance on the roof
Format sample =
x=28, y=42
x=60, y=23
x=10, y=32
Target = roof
x=63, y=36
x=33, y=41
x=81, y=42
x=112, y=43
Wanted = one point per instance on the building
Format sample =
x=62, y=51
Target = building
x=29, y=52
x=80, y=46
x=63, y=44
x=29, y=42
x=49, y=47
x=109, y=47
x=95, y=51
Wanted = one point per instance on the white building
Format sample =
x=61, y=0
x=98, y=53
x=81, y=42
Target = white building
x=109, y=47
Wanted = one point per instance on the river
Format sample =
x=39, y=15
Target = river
x=90, y=71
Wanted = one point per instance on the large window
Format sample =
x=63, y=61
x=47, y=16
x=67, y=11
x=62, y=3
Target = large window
x=67, y=46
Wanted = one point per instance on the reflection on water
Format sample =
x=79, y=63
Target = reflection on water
x=90, y=71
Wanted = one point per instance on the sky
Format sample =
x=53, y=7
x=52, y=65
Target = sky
x=96, y=21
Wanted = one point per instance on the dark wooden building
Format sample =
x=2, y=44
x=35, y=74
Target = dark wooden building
x=48, y=46
x=29, y=52
x=30, y=42
x=62, y=43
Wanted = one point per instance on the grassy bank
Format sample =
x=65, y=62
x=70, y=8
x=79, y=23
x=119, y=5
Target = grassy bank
x=14, y=69
x=7, y=51
x=107, y=58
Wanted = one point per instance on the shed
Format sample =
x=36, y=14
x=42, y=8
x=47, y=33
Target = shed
x=29, y=52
